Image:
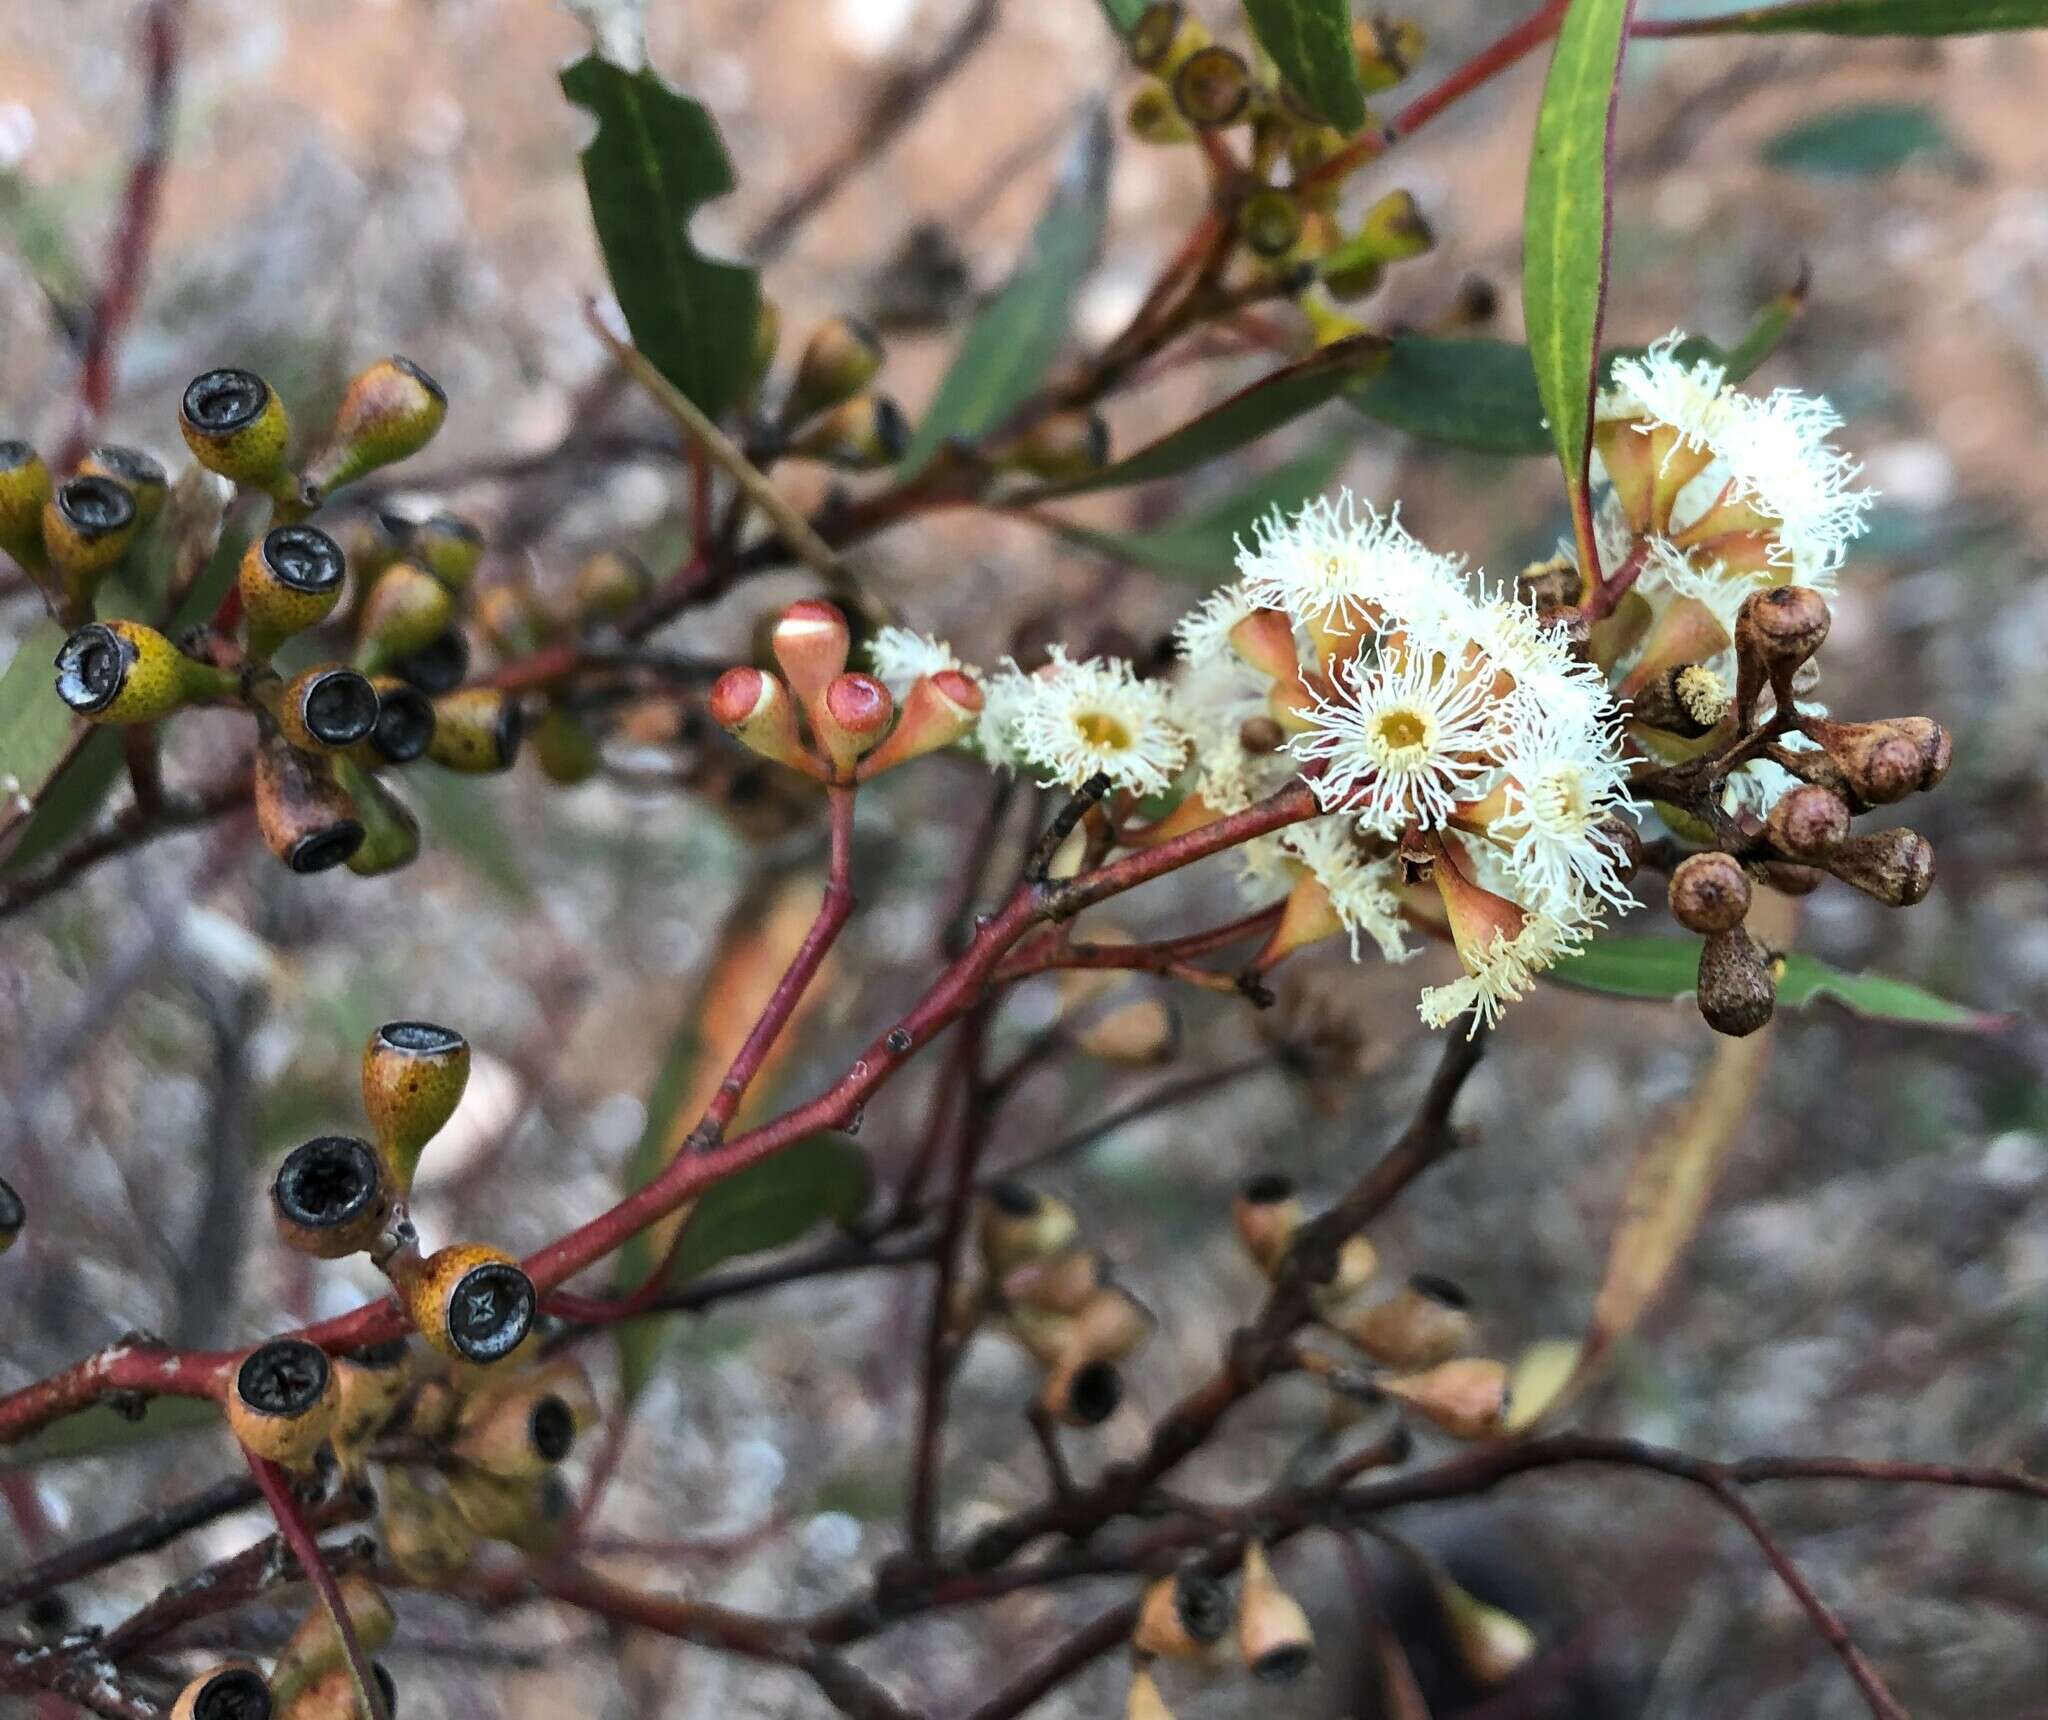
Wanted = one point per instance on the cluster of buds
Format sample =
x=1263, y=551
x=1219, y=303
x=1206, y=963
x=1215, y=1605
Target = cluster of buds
x=1285, y=207
x=337, y=1195
x=855, y=725
x=1190, y=1617
x=310, y=1679
x=1055, y=1296
x=1416, y=1336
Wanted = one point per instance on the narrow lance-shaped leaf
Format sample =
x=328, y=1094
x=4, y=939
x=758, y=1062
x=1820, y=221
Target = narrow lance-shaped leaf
x=1122, y=14
x=1565, y=228
x=1863, y=18
x=655, y=159
x=1310, y=41
x=1013, y=342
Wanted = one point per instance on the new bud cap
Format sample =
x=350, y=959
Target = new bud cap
x=226, y=1693
x=1709, y=892
x=738, y=694
x=811, y=641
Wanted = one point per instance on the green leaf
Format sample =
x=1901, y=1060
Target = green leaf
x=1664, y=968
x=1122, y=14
x=1015, y=339
x=1566, y=221
x=97, y=1431
x=1864, y=140
x=70, y=802
x=37, y=732
x=656, y=157
x=1204, y=546
x=461, y=815
x=1247, y=415
x=1310, y=41
x=1865, y=18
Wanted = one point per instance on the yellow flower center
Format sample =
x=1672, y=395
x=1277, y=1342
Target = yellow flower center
x=1402, y=731
x=1103, y=732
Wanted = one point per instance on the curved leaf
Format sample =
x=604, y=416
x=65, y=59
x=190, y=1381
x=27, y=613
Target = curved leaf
x=656, y=157
x=1310, y=41
x=37, y=733
x=1864, y=18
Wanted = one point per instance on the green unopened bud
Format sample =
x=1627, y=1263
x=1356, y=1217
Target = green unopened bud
x=406, y=611
x=24, y=488
x=124, y=672
x=564, y=747
x=388, y=413
x=858, y=435
x=610, y=585
x=391, y=832
x=476, y=731
x=838, y=361
x=447, y=546
x=140, y=474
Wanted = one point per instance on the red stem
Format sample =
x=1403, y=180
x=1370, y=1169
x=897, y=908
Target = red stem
x=277, y=1494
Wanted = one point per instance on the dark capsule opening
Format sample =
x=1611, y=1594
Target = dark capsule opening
x=389, y=1354
x=490, y=1311
x=511, y=731
x=1282, y=1665
x=1269, y=1188
x=1096, y=444
x=1443, y=1290
x=239, y=1693
x=405, y=725
x=15, y=453
x=224, y=401
x=13, y=1215
x=93, y=507
x=47, y=1616
x=323, y=850
x=91, y=667
x=552, y=1427
x=439, y=667
x=1154, y=32
x=284, y=1377
x=328, y=1181
x=1095, y=1391
x=1202, y=1604
x=421, y=1039
x=130, y=465
x=1013, y=1199
x=421, y=377
x=387, y=1686
x=304, y=558
x=339, y=707
x=892, y=429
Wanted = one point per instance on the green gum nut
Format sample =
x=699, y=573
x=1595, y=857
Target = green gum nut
x=476, y=731
x=389, y=413
x=564, y=747
x=24, y=488
x=290, y=579
x=414, y=1073
x=406, y=611
x=140, y=474
x=449, y=547
x=124, y=672
x=235, y=425
x=88, y=524
x=391, y=834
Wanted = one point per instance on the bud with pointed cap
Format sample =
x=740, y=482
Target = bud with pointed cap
x=391, y=830
x=1492, y=1644
x=1019, y=1224
x=468, y=1301
x=476, y=730
x=282, y=1401
x=388, y=413
x=811, y=641
x=939, y=709
x=610, y=585
x=1737, y=992
x=326, y=708
x=754, y=708
x=306, y=816
x=840, y=359
x=1428, y=1321
x=1183, y=1617
x=858, y=435
x=1144, y=1701
x=406, y=610
x=405, y=725
x=1709, y=892
x=1809, y=823
x=316, y=1648
x=88, y=524
x=141, y=475
x=290, y=579
x=235, y=425
x=331, y=1197
x=236, y=1692
x=439, y=666
x=124, y=672
x=1468, y=1399
x=1894, y=866
x=414, y=1074
x=1213, y=88
x=24, y=489
x=1273, y=1635
x=851, y=719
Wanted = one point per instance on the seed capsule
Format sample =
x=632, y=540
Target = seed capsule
x=24, y=489
x=1019, y=1224
x=1736, y=992
x=1428, y=1321
x=840, y=359
x=1709, y=892
x=406, y=611
x=306, y=816
x=405, y=725
x=610, y=585
x=331, y=1197
x=414, y=1073
x=124, y=672
x=1267, y=1213
x=235, y=425
x=470, y=1302
x=1895, y=867
x=1144, y=1701
x=283, y=1401
x=858, y=435
x=565, y=748
x=447, y=546
x=290, y=579
x=1152, y=118
x=1466, y=1398
x=1164, y=36
x=389, y=413
x=226, y=1693
x=88, y=524
x=1273, y=1634
x=1082, y=1393
x=1212, y=88
x=316, y=1649
x=140, y=474
x=439, y=666
x=520, y=1435
x=328, y=708
x=1270, y=223
x=1183, y=1617
x=373, y=1384
x=476, y=730
x=423, y=1532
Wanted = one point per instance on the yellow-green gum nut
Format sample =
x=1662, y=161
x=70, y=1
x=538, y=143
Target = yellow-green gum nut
x=470, y=1302
x=24, y=488
x=840, y=359
x=389, y=412
x=331, y=1197
x=449, y=547
x=327, y=708
x=88, y=524
x=124, y=672
x=858, y=434
x=476, y=731
x=565, y=748
x=290, y=579
x=235, y=425
x=391, y=834
x=407, y=609
x=140, y=474
x=1270, y=222
x=609, y=584
x=405, y=726
x=282, y=1401
x=511, y=620
x=413, y=1076
x=13, y=1215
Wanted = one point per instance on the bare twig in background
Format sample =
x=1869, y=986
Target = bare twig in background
x=203, y=1297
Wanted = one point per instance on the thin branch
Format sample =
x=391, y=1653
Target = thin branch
x=145, y=1534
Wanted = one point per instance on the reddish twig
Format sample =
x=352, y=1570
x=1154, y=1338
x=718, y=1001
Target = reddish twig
x=298, y=1535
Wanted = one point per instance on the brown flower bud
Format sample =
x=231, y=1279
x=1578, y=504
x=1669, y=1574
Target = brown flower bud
x=1895, y=866
x=1883, y=762
x=1709, y=892
x=1808, y=823
x=1782, y=626
x=1791, y=880
x=1736, y=990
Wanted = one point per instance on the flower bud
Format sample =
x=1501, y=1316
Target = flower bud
x=476, y=730
x=1144, y=1701
x=858, y=435
x=519, y=1435
x=939, y=709
x=754, y=708
x=810, y=640
x=1079, y=1392
x=1057, y=446
x=406, y=610
x=414, y=1074
x=1270, y=223
x=1736, y=992
x=1688, y=701
x=289, y=580
x=1709, y=892
x=331, y=1197
x=1425, y=1323
x=840, y=359
x=282, y=1402
x=1894, y=866
x=88, y=524
x=388, y=413
x=13, y=1215
x=391, y=831
x=1493, y=1645
x=124, y=672
x=439, y=666
x=1182, y=1617
x=1809, y=823
x=1212, y=88
x=447, y=546
x=468, y=1301
x=1152, y=118
x=1273, y=1637
x=1138, y=1033
x=236, y=1692
x=140, y=474
x=1782, y=626
x=851, y=719
x=306, y=816
x=609, y=586
x=235, y=425
x=512, y=620
x=405, y=725
x=1019, y=1224
x=1468, y=1399
x=24, y=489
x=327, y=708
x=1163, y=37
x=316, y=1648
x=1267, y=1213
x=1883, y=762
x=565, y=748
x=423, y=1532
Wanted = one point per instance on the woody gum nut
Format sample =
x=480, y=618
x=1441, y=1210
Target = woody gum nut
x=1709, y=892
x=225, y=1693
x=330, y=706
x=1182, y=1617
x=24, y=488
x=1736, y=991
x=235, y=425
x=282, y=1401
x=307, y=818
x=471, y=1302
x=477, y=731
x=414, y=1073
x=289, y=579
x=331, y=1197
x=140, y=474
